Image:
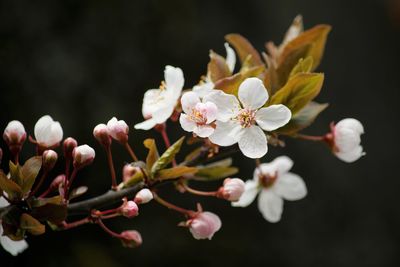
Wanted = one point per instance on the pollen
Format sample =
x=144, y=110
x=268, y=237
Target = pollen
x=246, y=118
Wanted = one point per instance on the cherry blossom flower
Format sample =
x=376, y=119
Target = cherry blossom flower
x=83, y=155
x=131, y=238
x=48, y=133
x=198, y=116
x=204, y=225
x=14, y=133
x=143, y=196
x=346, y=139
x=243, y=122
x=11, y=246
x=159, y=104
x=129, y=209
x=118, y=129
x=232, y=189
x=274, y=182
x=100, y=132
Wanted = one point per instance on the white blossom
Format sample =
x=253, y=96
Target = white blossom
x=275, y=183
x=14, y=132
x=243, y=122
x=199, y=116
x=159, y=104
x=48, y=132
x=118, y=130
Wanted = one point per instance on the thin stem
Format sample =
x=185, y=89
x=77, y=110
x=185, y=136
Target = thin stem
x=16, y=158
x=111, y=166
x=110, y=216
x=39, y=184
x=258, y=163
x=69, y=183
x=130, y=151
x=67, y=226
x=45, y=193
x=171, y=206
x=107, y=230
x=165, y=137
x=198, y=192
x=67, y=169
x=310, y=137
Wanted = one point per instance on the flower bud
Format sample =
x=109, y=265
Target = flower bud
x=204, y=225
x=100, y=132
x=69, y=146
x=131, y=238
x=60, y=179
x=128, y=171
x=232, y=189
x=129, y=209
x=143, y=196
x=118, y=130
x=49, y=159
x=14, y=135
x=83, y=155
x=48, y=133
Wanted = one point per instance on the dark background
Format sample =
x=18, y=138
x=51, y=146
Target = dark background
x=86, y=61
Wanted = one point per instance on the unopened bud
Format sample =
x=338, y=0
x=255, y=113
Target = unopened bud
x=128, y=172
x=129, y=209
x=100, y=132
x=69, y=145
x=14, y=135
x=204, y=225
x=83, y=155
x=143, y=196
x=60, y=179
x=131, y=239
x=49, y=159
x=232, y=189
x=118, y=130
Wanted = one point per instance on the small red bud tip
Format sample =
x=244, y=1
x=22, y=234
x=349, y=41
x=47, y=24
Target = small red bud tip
x=131, y=239
x=118, y=130
x=100, y=132
x=204, y=225
x=49, y=159
x=143, y=196
x=129, y=209
x=69, y=145
x=83, y=155
x=232, y=189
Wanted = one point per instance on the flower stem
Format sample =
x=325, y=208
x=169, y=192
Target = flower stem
x=198, y=192
x=39, y=184
x=69, y=183
x=165, y=137
x=171, y=206
x=107, y=230
x=67, y=226
x=111, y=166
x=310, y=137
x=130, y=151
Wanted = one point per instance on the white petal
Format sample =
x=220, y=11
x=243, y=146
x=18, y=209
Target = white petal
x=270, y=205
x=146, y=125
x=203, y=130
x=56, y=133
x=273, y=117
x=228, y=105
x=42, y=128
x=352, y=155
x=351, y=123
x=253, y=142
x=290, y=186
x=174, y=80
x=221, y=135
x=250, y=192
x=189, y=101
x=346, y=139
x=162, y=115
x=187, y=124
x=282, y=164
x=230, y=57
x=13, y=247
x=203, y=89
x=150, y=102
x=212, y=111
x=252, y=93
x=3, y=202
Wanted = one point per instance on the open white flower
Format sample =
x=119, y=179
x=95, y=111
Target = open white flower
x=207, y=86
x=346, y=138
x=275, y=183
x=244, y=122
x=198, y=116
x=48, y=132
x=159, y=104
x=11, y=246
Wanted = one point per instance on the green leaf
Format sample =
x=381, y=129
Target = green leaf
x=299, y=91
x=152, y=156
x=30, y=224
x=244, y=48
x=194, y=154
x=53, y=213
x=37, y=202
x=135, y=179
x=175, y=172
x=12, y=189
x=217, y=67
x=303, y=118
x=303, y=66
x=167, y=157
x=15, y=173
x=29, y=172
x=214, y=173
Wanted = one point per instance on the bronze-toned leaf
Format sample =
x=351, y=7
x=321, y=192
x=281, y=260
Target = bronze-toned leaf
x=217, y=67
x=175, y=172
x=30, y=224
x=152, y=156
x=29, y=172
x=167, y=157
x=15, y=173
x=244, y=48
x=303, y=66
x=214, y=173
x=12, y=189
x=34, y=202
x=51, y=212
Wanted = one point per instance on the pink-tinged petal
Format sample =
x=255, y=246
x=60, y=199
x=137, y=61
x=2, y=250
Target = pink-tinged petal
x=273, y=117
x=189, y=101
x=203, y=131
x=290, y=186
x=250, y=192
x=230, y=57
x=228, y=105
x=253, y=142
x=252, y=93
x=211, y=111
x=352, y=155
x=270, y=205
x=186, y=123
x=174, y=80
x=221, y=135
x=146, y=125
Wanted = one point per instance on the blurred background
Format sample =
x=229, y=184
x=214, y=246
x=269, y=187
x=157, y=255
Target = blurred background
x=83, y=62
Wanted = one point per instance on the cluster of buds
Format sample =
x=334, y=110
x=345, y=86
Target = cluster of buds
x=115, y=129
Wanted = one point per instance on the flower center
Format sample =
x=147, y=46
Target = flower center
x=267, y=180
x=246, y=117
x=163, y=86
x=198, y=116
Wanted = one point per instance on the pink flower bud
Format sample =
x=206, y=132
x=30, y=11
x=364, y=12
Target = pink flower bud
x=69, y=145
x=143, y=196
x=118, y=130
x=83, y=155
x=232, y=189
x=14, y=135
x=129, y=209
x=49, y=159
x=204, y=225
x=60, y=179
x=128, y=171
x=131, y=239
x=100, y=132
